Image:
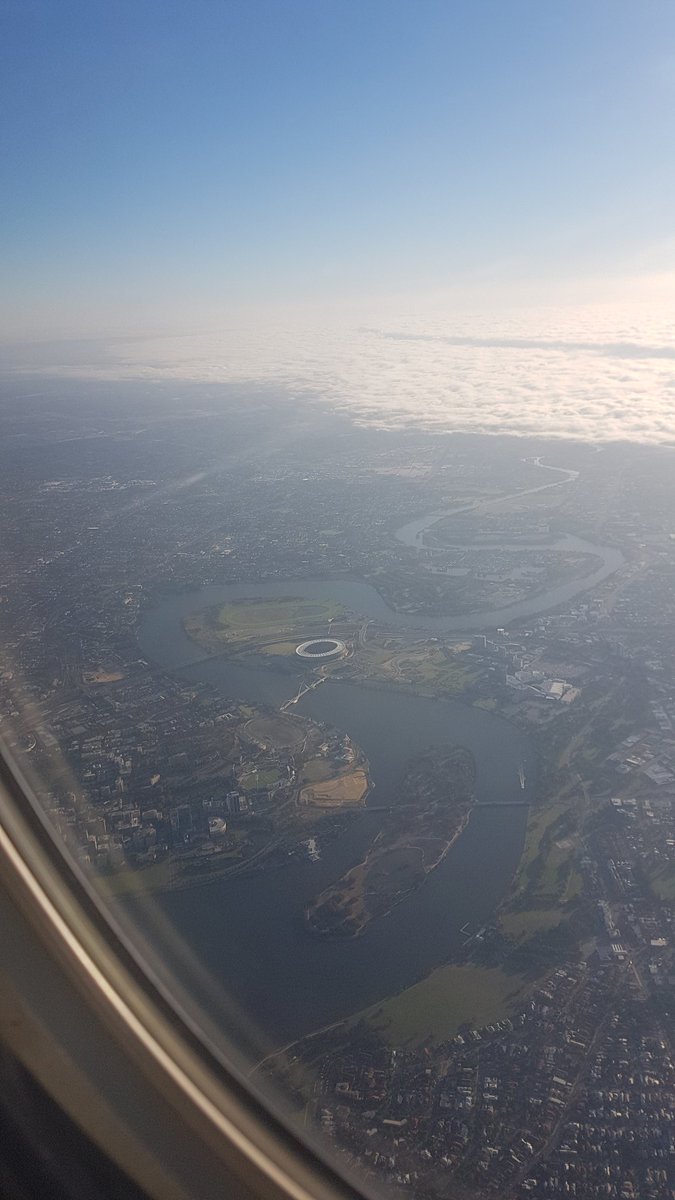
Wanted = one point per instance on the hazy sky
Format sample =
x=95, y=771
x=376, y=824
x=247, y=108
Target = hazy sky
x=166, y=163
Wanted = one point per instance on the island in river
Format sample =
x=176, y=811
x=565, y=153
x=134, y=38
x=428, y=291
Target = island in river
x=437, y=794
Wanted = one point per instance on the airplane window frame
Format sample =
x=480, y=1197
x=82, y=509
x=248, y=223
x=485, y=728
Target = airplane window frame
x=81, y=1011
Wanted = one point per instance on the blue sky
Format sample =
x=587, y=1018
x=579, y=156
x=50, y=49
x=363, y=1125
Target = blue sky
x=170, y=160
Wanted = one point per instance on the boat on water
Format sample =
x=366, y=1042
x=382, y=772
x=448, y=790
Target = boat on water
x=521, y=775
x=313, y=851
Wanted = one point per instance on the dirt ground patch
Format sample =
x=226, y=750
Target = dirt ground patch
x=330, y=793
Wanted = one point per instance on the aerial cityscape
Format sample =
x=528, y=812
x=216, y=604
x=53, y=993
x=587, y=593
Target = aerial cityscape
x=385, y=720
x=337, y=598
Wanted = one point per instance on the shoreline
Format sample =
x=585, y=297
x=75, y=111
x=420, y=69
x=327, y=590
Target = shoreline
x=427, y=870
x=343, y=909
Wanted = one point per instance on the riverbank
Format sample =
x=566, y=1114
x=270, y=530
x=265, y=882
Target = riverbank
x=451, y=996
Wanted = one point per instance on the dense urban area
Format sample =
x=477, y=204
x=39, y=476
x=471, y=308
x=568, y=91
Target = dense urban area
x=538, y=1061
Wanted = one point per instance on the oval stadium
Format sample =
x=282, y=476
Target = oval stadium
x=321, y=648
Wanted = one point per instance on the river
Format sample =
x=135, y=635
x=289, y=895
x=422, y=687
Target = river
x=610, y=558
x=248, y=933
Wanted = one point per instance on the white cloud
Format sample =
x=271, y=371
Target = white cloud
x=597, y=373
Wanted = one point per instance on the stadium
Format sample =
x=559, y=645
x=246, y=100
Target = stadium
x=321, y=648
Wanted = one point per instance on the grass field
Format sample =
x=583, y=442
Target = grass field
x=275, y=626
x=279, y=649
x=259, y=779
x=538, y=821
x=451, y=996
x=423, y=665
x=531, y=920
x=316, y=770
x=663, y=881
x=277, y=730
x=546, y=877
x=446, y=674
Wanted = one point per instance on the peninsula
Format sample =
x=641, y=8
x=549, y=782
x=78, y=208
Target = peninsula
x=435, y=799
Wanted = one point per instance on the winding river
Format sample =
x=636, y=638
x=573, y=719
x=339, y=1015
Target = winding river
x=610, y=558
x=248, y=932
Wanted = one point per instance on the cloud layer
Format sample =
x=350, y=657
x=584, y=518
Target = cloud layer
x=595, y=374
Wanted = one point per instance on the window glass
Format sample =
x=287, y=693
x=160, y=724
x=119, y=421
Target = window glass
x=337, y=540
